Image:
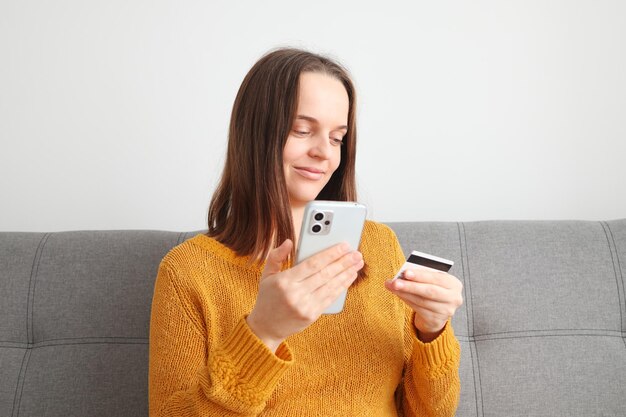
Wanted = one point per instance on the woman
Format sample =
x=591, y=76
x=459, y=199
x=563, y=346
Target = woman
x=237, y=330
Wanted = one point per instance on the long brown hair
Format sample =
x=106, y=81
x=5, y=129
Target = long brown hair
x=250, y=211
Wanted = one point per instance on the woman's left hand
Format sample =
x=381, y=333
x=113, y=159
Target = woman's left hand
x=433, y=295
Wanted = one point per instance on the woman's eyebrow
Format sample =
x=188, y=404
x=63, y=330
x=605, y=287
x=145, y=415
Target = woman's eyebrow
x=314, y=120
x=307, y=118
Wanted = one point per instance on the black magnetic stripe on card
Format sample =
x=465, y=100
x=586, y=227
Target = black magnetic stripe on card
x=430, y=263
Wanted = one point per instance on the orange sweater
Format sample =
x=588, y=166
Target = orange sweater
x=364, y=361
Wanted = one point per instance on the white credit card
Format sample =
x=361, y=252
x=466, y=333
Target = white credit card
x=424, y=260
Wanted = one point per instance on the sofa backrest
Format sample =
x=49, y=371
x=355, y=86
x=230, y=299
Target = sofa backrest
x=543, y=325
x=75, y=310
x=542, y=329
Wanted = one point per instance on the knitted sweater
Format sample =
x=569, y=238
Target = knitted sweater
x=364, y=361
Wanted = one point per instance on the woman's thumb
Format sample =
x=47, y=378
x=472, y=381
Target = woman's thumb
x=277, y=257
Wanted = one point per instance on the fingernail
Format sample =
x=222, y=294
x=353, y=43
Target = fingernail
x=409, y=274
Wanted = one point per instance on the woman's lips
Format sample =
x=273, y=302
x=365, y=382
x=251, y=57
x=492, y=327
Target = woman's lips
x=310, y=173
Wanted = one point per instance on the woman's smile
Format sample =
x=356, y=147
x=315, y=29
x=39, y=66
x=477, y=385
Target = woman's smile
x=310, y=173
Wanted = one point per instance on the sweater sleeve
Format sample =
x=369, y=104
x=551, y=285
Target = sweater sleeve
x=431, y=384
x=192, y=375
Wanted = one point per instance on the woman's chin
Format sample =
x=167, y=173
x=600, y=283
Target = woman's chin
x=301, y=199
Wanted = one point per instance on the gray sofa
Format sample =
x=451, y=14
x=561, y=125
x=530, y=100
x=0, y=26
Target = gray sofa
x=542, y=329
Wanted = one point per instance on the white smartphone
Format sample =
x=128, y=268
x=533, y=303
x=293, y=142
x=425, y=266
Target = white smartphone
x=326, y=223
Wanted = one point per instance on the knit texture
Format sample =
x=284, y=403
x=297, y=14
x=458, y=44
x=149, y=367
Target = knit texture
x=364, y=361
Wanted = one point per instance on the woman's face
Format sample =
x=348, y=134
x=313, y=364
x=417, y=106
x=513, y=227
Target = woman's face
x=313, y=149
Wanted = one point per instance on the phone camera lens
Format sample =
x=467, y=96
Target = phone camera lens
x=318, y=216
x=316, y=228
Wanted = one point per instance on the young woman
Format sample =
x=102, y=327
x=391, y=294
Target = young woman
x=237, y=330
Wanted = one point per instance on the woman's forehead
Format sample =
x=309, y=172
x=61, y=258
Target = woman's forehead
x=323, y=98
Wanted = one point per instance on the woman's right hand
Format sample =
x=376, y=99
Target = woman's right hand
x=289, y=301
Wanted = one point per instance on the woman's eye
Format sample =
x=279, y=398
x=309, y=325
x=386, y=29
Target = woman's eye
x=337, y=142
x=301, y=132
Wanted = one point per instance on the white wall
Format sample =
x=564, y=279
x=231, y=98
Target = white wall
x=113, y=114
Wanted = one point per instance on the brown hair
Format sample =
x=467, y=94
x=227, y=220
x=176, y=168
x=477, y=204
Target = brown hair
x=250, y=211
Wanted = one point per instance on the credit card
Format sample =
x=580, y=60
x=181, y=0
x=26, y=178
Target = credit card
x=424, y=260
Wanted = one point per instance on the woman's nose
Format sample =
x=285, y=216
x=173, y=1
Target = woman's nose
x=320, y=147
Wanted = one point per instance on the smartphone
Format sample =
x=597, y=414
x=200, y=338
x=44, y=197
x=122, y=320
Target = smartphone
x=326, y=223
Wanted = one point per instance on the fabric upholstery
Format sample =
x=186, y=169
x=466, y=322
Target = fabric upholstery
x=542, y=329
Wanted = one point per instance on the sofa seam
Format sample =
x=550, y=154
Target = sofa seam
x=30, y=304
x=17, y=399
x=466, y=288
x=542, y=335
x=17, y=384
x=549, y=330
x=620, y=294
x=92, y=337
x=469, y=314
x=181, y=238
x=30, y=338
x=478, y=338
x=77, y=342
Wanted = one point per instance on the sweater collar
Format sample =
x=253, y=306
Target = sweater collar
x=226, y=253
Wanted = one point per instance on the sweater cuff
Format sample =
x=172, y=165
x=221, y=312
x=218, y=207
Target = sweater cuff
x=440, y=354
x=246, y=367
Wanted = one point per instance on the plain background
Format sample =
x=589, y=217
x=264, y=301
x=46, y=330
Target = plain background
x=113, y=114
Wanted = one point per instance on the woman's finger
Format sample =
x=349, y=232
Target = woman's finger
x=421, y=295
x=350, y=261
x=435, y=307
x=428, y=291
x=317, y=262
x=427, y=276
x=329, y=292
